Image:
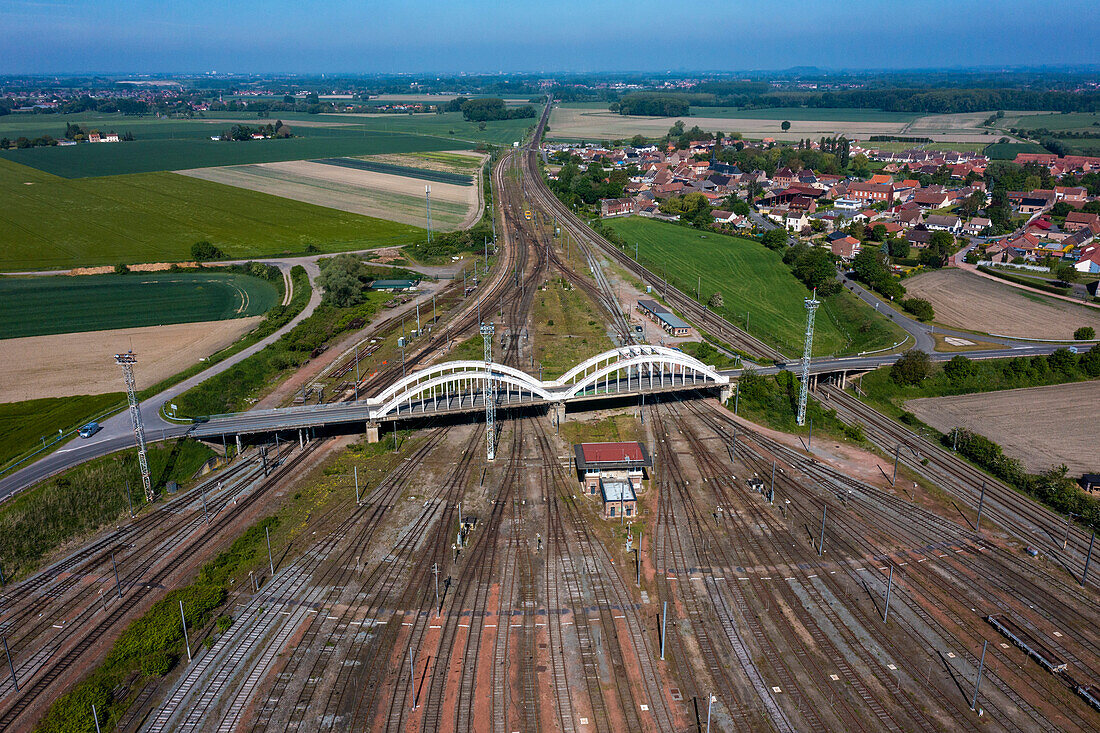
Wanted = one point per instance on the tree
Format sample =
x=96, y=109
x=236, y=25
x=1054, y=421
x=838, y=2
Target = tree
x=715, y=301
x=899, y=247
x=959, y=369
x=774, y=239
x=786, y=125
x=639, y=141
x=1090, y=361
x=1085, y=333
x=912, y=368
x=1066, y=272
x=1063, y=360
x=204, y=250
x=920, y=308
x=121, y=269
x=342, y=280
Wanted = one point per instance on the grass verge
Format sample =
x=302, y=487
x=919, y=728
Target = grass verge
x=84, y=499
x=567, y=328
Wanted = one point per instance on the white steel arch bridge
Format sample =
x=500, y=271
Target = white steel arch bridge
x=463, y=386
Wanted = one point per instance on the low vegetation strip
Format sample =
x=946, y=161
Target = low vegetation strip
x=1031, y=282
x=151, y=646
x=231, y=390
x=84, y=499
x=47, y=305
x=458, y=179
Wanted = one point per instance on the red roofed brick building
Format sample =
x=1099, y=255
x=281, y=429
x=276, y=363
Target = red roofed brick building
x=601, y=462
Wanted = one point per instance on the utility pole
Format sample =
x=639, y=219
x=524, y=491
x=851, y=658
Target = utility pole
x=435, y=570
x=270, y=563
x=428, y=201
x=889, y=587
x=356, y=385
x=118, y=584
x=355, y=469
x=978, y=682
x=412, y=679
x=807, y=347
x=894, y=477
x=821, y=541
x=186, y=641
x=11, y=665
x=127, y=361
x=489, y=393
x=95, y=717
x=1088, y=559
x=664, y=620
x=981, y=500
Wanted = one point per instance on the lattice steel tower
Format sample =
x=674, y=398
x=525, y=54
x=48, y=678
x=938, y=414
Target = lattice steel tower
x=127, y=361
x=804, y=392
x=490, y=393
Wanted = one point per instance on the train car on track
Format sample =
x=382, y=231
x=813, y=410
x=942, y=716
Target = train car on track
x=1021, y=638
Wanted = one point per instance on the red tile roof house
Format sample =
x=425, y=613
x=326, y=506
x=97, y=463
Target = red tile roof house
x=871, y=191
x=845, y=248
x=784, y=177
x=928, y=198
x=1079, y=220
x=1089, y=262
x=616, y=207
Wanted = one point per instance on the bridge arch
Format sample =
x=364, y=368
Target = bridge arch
x=441, y=386
x=670, y=367
x=462, y=367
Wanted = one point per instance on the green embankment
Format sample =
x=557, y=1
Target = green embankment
x=50, y=222
x=755, y=285
x=24, y=424
x=45, y=305
x=84, y=499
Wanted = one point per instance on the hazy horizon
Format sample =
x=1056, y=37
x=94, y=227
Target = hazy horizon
x=483, y=36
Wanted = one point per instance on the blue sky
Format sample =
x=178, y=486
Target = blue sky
x=366, y=36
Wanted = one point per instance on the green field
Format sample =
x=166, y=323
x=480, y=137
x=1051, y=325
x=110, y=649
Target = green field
x=754, y=281
x=1008, y=151
x=37, y=306
x=51, y=222
x=1083, y=121
x=24, y=424
x=177, y=144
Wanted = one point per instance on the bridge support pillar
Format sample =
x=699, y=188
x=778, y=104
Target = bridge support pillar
x=557, y=409
x=844, y=380
x=725, y=393
x=238, y=444
x=372, y=432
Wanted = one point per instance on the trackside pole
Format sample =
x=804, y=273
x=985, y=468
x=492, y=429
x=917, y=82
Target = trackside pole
x=978, y=682
x=356, y=470
x=710, y=703
x=205, y=514
x=435, y=570
x=11, y=665
x=894, y=478
x=186, y=641
x=1088, y=558
x=736, y=397
x=889, y=587
x=130, y=501
x=95, y=717
x=821, y=542
x=412, y=680
x=270, y=564
x=981, y=500
x=118, y=585
x=664, y=620
x=771, y=490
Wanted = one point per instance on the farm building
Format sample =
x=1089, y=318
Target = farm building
x=663, y=317
x=394, y=285
x=615, y=471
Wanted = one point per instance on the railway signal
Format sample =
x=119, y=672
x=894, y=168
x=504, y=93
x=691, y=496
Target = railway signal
x=1088, y=559
x=664, y=620
x=889, y=587
x=270, y=564
x=821, y=541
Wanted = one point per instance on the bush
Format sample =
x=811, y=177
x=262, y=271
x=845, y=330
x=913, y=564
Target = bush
x=959, y=369
x=203, y=250
x=1085, y=333
x=920, y=308
x=913, y=367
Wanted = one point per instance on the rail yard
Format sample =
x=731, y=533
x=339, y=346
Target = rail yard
x=762, y=582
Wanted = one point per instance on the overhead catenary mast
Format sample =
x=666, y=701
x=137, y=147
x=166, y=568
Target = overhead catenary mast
x=127, y=361
x=811, y=304
x=490, y=393
x=428, y=201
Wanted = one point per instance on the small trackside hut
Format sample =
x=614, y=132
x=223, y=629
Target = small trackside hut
x=615, y=472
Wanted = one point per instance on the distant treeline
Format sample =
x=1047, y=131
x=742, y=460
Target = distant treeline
x=487, y=109
x=924, y=101
x=896, y=139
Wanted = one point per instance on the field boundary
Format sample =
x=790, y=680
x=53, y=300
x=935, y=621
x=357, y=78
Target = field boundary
x=457, y=179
